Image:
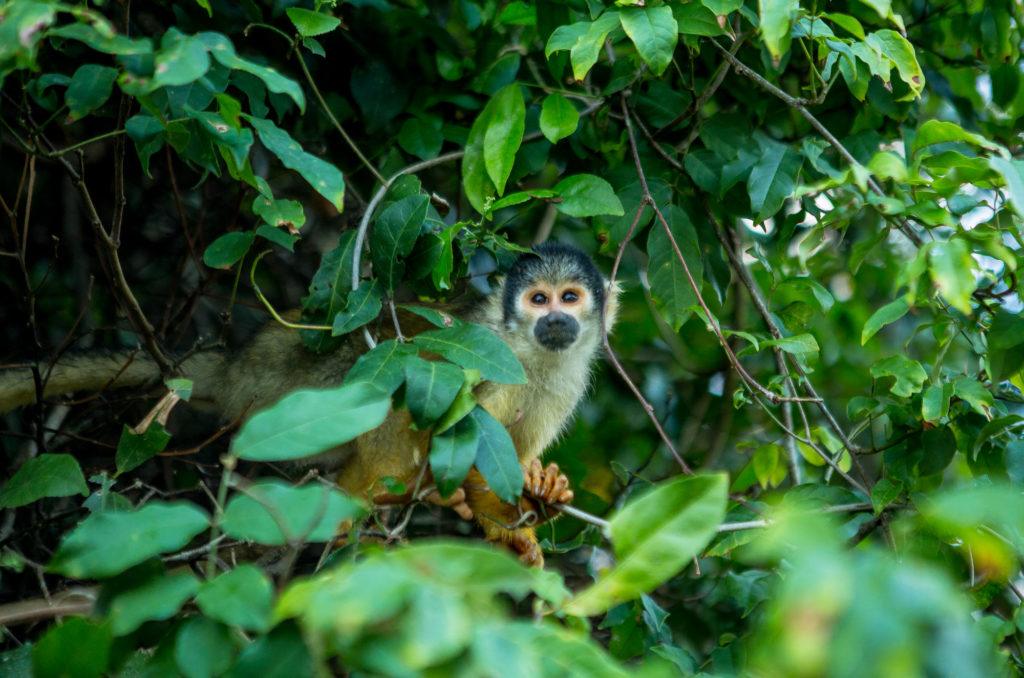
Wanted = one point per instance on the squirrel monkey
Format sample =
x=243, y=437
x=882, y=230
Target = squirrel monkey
x=548, y=309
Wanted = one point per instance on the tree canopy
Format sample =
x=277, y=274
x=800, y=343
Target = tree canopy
x=802, y=454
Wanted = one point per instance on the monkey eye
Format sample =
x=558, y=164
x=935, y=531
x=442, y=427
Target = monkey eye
x=570, y=297
x=539, y=299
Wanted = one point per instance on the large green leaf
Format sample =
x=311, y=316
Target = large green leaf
x=363, y=305
x=430, y=388
x=134, y=449
x=654, y=32
x=776, y=19
x=309, y=23
x=886, y=315
x=558, y=118
x=328, y=291
x=109, y=542
x=952, y=270
x=90, y=87
x=908, y=373
x=585, y=51
x=223, y=51
x=240, y=597
x=504, y=134
x=452, y=454
x=773, y=177
x=586, y=195
x=324, y=177
x=203, y=648
x=475, y=347
x=1012, y=172
x=382, y=367
x=77, y=642
x=308, y=422
x=48, y=475
x=156, y=598
x=496, y=456
x=671, y=289
x=895, y=47
x=182, y=59
x=394, y=234
x=654, y=537
x=275, y=513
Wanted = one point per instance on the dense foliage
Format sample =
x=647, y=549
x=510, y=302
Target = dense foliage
x=807, y=444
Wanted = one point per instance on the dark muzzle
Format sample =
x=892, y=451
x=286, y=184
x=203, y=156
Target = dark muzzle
x=556, y=331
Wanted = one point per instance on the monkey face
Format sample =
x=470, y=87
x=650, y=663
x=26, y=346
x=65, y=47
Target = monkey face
x=556, y=311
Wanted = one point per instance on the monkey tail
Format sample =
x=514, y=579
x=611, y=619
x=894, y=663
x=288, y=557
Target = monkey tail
x=94, y=372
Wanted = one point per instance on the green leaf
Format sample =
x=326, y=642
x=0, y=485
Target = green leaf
x=895, y=47
x=952, y=270
x=309, y=23
x=654, y=537
x=773, y=177
x=102, y=42
x=77, y=644
x=475, y=347
x=965, y=508
x=974, y=393
x=496, y=457
x=364, y=305
x=394, y=234
x=382, y=367
x=203, y=648
x=275, y=513
x=1012, y=172
x=430, y=388
x=421, y=137
x=886, y=315
x=908, y=373
x=89, y=89
x=884, y=493
x=1007, y=330
x=586, y=195
x=584, y=52
x=504, y=134
x=109, y=542
x=228, y=249
x=48, y=475
x=673, y=295
x=134, y=449
x=798, y=345
x=558, y=118
x=693, y=18
x=328, y=291
x=776, y=20
x=184, y=61
x=282, y=653
x=452, y=454
x=286, y=214
x=933, y=132
x=321, y=175
x=240, y=597
x=308, y=422
x=935, y=402
x=654, y=32
x=156, y=598
x=223, y=51
x=148, y=135
x=722, y=7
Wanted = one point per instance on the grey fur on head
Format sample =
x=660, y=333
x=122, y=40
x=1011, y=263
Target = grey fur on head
x=552, y=262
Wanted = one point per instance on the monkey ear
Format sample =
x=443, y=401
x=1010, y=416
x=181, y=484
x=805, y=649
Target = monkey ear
x=611, y=291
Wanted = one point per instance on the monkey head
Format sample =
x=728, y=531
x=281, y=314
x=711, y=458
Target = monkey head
x=556, y=296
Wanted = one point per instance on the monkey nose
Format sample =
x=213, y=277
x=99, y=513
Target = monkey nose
x=556, y=331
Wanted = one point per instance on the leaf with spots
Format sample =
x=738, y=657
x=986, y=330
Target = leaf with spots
x=321, y=175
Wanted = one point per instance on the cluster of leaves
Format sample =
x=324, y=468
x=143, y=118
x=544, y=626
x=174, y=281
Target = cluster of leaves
x=817, y=219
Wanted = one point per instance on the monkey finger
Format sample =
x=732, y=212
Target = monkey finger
x=533, y=474
x=456, y=502
x=566, y=497
x=561, y=485
x=550, y=478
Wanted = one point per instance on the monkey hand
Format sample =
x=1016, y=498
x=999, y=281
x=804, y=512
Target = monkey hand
x=546, y=486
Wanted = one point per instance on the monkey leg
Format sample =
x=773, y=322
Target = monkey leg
x=547, y=486
x=508, y=524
